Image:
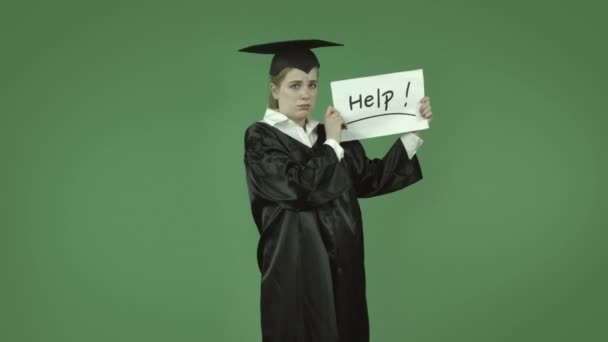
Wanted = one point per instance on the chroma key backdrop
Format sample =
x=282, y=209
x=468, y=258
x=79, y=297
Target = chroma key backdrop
x=124, y=212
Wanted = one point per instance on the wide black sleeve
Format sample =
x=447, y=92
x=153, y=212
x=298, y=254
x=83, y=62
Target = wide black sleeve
x=273, y=173
x=374, y=177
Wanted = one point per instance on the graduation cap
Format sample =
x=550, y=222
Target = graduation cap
x=291, y=53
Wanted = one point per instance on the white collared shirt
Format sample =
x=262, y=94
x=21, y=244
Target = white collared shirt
x=411, y=142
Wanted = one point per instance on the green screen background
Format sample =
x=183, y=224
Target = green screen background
x=124, y=212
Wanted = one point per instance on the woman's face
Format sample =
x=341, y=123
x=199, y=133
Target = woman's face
x=297, y=94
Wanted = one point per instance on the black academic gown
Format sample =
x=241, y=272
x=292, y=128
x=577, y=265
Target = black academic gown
x=310, y=252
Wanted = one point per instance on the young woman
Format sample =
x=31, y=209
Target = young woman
x=304, y=185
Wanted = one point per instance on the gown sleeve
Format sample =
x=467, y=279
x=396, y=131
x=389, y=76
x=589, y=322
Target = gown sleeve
x=374, y=177
x=275, y=175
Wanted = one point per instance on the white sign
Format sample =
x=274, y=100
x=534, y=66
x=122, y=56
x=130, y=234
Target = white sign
x=380, y=105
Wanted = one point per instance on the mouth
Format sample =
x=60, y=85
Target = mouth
x=304, y=106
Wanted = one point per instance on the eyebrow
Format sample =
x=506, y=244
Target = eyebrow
x=299, y=81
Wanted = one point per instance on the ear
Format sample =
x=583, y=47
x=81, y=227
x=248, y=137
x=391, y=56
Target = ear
x=275, y=91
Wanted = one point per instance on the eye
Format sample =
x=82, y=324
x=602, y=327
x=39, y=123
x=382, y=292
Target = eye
x=313, y=85
x=295, y=85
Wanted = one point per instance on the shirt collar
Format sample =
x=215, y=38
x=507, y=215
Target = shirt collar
x=274, y=117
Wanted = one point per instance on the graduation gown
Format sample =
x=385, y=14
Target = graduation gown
x=310, y=252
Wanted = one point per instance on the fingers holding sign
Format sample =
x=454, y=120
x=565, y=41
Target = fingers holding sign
x=425, y=108
x=334, y=123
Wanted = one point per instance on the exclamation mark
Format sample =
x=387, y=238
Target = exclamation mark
x=407, y=90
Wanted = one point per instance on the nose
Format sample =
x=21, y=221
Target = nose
x=306, y=93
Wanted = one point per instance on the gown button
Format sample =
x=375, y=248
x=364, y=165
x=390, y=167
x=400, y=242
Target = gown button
x=340, y=270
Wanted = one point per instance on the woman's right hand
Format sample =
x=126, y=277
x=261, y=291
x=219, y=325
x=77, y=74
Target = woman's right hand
x=334, y=122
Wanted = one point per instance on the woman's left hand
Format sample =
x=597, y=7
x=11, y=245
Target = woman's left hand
x=425, y=111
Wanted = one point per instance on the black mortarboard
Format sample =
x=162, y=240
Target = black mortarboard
x=291, y=53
